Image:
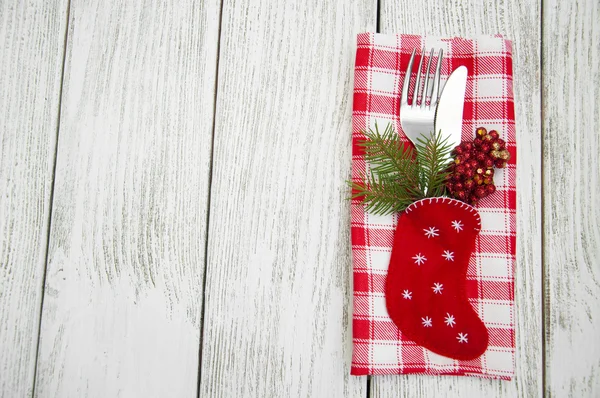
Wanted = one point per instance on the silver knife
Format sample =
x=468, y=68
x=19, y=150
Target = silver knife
x=449, y=112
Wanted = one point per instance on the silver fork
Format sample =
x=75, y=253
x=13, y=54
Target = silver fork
x=417, y=118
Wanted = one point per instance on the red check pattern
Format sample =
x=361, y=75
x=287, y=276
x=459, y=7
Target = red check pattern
x=379, y=347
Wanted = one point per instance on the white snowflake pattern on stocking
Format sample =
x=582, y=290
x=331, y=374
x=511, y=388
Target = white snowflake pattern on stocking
x=431, y=232
x=419, y=259
x=457, y=225
x=448, y=255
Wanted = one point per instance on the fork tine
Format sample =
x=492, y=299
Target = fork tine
x=406, y=84
x=426, y=88
x=436, y=80
x=418, y=80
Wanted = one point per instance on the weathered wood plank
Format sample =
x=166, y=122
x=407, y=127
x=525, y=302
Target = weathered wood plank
x=520, y=22
x=32, y=40
x=278, y=308
x=123, y=294
x=571, y=76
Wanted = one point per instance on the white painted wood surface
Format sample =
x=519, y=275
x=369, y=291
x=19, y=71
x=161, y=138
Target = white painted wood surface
x=122, y=310
x=278, y=283
x=571, y=54
x=519, y=21
x=123, y=294
x=32, y=35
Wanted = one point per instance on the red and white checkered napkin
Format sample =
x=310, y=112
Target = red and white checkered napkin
x=379, y=347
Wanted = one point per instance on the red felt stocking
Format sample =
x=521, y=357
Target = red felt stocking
x=425, y=286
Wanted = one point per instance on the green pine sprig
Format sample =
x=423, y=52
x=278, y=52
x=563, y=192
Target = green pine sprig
x=397, y=174
x=433, y=159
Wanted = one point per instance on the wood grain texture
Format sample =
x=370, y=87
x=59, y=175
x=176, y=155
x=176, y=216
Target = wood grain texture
x=520, y=22
x=571, y=54
x=123, y=294
x=32, y=39
x=278, y=294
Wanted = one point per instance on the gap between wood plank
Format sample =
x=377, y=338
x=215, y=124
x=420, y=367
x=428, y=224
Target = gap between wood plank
x=208, y=201
x=377, y=23
x=46, y=254
x=543, y=210
x=377, y=30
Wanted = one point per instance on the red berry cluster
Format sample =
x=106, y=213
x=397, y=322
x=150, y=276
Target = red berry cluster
x=472, y=173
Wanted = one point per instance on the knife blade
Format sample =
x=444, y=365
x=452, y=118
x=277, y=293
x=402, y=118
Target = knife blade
x=449, y=111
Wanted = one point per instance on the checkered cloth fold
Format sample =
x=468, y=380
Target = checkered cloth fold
x=379, y=347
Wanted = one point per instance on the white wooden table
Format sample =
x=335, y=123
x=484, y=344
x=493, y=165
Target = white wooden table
x=172, y=213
